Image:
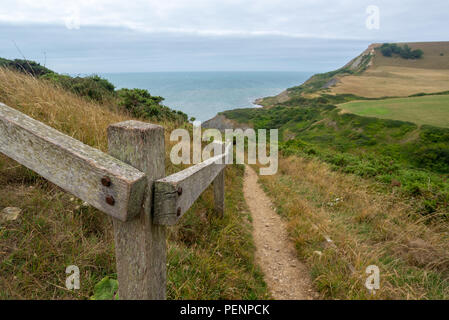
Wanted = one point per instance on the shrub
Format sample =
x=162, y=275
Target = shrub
x=414, y=189
x=92, y=87
x=432, y=134
x=387, y=52
x=29, y=67
x=138, y=102
x=141, y=104
x=389, y=49
x=435, y=157
x=417, y=54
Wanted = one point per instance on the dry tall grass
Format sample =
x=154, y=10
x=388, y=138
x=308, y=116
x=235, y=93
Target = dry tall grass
x=367, y=227
x=392, y=81
x=435, y=56
x=395, y=76
x=61, y=110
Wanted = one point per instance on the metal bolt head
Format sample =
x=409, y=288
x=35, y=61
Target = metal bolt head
x=178, y=212
x=179, y=191
x=110, y=200
x=106, y=181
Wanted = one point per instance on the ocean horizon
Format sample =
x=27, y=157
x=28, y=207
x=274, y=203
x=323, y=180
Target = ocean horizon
x=204, y=94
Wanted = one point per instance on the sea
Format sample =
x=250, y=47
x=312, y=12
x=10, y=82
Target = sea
x=203, y=94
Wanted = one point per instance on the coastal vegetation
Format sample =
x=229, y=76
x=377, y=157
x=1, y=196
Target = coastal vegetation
x=363, y=180
x=373, y=75
x=342, y=223
x=377, y=188
x=25, y=66
x=138, y=102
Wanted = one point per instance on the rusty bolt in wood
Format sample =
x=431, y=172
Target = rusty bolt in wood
x=110, y=200
x=178, y=212
x=106, y=181
x=179, y=191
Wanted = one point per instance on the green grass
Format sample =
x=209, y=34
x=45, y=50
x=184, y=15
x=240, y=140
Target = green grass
x=389, y=151
x=367, y=227
x=431, y=110
x=213, y=258
x=208, y=257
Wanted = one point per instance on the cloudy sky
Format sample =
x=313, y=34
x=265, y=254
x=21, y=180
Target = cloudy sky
x=86, y=36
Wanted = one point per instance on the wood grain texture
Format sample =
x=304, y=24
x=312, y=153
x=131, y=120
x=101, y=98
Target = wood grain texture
x=169, y=203
x=72, y=165
x=140, y=245
x=219, y=188
x=219, y=193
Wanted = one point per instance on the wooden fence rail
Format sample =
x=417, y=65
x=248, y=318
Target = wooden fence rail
x=129, y=184
x=175, y=194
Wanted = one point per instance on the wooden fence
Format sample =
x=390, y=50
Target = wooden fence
x=129, y=184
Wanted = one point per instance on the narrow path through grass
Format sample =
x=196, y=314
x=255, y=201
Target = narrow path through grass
x=287, y=278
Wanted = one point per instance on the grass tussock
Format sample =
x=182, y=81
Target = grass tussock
x=366, y=227
x=208, y=258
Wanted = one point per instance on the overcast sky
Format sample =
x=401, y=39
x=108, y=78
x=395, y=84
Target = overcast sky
x=86, y=36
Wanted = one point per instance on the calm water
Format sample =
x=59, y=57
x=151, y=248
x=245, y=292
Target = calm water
x=203, y=94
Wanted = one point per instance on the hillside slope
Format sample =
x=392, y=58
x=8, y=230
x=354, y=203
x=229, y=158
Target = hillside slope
x=372, y=75
x=369, y=188
x=395, y=76
x=208, y=257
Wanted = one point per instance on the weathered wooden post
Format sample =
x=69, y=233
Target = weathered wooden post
x=140, y=245
x=128, y=184
x=219, y=187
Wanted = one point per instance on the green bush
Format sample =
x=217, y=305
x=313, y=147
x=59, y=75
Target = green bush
x=25, y=66
x=390, y=49
x=430, y=134
x=141, y=104
x=92, y=87
x=387, y=52
x=138, y=102
x=435, y=157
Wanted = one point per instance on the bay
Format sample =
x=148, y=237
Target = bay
x=203, y=94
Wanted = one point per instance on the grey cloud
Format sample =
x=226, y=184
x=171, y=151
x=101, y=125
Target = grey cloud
x=150, y=35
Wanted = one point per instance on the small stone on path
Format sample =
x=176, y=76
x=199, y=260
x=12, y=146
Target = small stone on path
x=10, y=213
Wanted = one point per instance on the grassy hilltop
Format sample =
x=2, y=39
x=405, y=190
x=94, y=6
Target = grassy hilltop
x=365, y=162
x=395, y=76
x=374, y=75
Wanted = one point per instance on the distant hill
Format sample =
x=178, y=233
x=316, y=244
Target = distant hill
x=351, y=110
x=431, y=59
x=372, y=75
x=395, y=76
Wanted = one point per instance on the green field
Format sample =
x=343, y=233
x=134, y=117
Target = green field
x=432, y=110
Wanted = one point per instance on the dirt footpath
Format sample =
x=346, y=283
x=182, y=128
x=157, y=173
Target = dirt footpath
x=286, y=277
